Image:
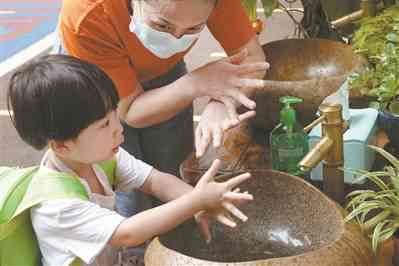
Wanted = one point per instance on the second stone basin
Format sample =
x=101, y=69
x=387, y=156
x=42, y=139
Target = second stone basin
x=310, y=69
x=290, y=223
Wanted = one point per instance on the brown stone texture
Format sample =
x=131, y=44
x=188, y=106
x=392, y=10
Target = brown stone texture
x=310, y=69
x=290, y=223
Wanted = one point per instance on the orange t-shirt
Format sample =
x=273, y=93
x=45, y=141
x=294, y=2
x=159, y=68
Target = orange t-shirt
x=97, y=31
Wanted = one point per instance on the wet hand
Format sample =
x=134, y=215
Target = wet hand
x=224, y=78
x=219, y=198
x=215, y=120
x=204, y=219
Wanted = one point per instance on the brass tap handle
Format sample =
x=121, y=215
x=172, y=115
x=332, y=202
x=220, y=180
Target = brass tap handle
x=313, y=124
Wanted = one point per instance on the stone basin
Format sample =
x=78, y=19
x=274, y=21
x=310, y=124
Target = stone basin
x=308, y=68
x=290, y=223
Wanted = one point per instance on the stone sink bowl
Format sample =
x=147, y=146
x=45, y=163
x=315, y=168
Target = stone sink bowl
x=310, y=69
x=290, y=223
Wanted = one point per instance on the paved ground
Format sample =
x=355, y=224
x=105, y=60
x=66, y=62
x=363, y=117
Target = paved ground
x=13, y=152
x=24, y=22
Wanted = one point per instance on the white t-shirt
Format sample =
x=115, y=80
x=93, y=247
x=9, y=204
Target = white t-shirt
x=70, y=228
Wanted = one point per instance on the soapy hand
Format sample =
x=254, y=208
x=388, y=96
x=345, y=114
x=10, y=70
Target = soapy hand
x=223, y=79
x=220, y=200
x=214, y=122
x=204, y=219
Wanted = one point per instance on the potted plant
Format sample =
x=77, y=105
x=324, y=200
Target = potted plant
x=377, y=211
x=377, y=40
x=380, y=79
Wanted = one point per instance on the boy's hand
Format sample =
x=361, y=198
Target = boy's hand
x=216, y=194
x=204, y=219
x=219, y=199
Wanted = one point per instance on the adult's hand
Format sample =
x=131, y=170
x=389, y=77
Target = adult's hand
x=214, y=122
x=223, y=79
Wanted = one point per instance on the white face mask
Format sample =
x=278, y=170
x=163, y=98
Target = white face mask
x=161, y=44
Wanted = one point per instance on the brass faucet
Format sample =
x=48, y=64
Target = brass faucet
x=329, y=149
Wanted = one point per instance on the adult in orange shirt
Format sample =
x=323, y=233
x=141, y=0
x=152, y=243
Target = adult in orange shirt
x=140, y=44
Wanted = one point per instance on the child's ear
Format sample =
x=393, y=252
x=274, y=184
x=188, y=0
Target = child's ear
x=59, y=147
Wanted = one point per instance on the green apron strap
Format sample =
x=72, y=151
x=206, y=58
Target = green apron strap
x=47, y=184
x=9, y=228
x=109, y=167
x=76, y=262
x=13, y=184
x=23, y=189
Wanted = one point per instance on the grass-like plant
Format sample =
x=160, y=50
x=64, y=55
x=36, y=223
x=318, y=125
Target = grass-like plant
x=377, y=212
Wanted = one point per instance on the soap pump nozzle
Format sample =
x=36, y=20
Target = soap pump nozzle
x=287, y=113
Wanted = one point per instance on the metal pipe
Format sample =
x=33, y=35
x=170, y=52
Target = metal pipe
x=367, y=8
x=330, y=150
x=333, y=176
x=348, y=19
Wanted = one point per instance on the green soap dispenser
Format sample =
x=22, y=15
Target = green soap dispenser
x=288, y=142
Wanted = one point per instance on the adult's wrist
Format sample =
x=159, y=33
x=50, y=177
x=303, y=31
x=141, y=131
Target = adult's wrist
x=192, y=84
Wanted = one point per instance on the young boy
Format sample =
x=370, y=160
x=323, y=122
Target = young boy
x=69, y=106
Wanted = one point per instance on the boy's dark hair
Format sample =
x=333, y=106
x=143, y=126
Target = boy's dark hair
x=55, y=97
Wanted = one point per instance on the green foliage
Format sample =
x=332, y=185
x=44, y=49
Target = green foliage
x=377, y=210
x=268, y=6
x=371, y=37
x=250, y=7
x=378, y=40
